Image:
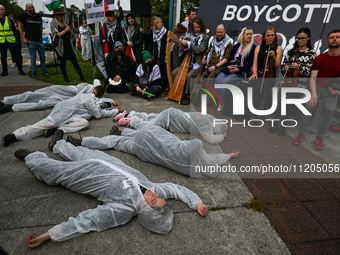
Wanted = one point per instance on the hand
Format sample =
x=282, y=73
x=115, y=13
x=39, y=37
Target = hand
x=26, y=41
x=230, y=67
x=101, y=116
x=104, y=41
x=142, y=30
x=234, y=154
x=34, y=241
x=333, y=92
x=271, y=54
x=313, y=100
x=294, y=65
x=254, y=76
x=116, y=78
x=234, y=70
x=143, y=91
x=88, y=29
x=211, y=69
x=204, y=61
x=202, y=209
x=115, y=103
x=138, y=89
x=130, y=44
x=225, y=134
x=184, y=43
x=67, y=28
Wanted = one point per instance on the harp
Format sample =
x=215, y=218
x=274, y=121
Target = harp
x=176, y=86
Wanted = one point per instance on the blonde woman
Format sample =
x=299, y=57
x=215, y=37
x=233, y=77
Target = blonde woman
x=239, y=63
x=63, y=43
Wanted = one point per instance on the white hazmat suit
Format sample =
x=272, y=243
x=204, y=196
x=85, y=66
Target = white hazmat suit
x=70, y=116
x=156, y=145
x=178, y=121
x=110, y=181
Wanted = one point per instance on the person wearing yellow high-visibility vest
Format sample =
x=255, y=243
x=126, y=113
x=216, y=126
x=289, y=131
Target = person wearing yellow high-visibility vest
x=8, y=41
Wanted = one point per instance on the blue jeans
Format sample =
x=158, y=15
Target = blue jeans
x=327, y=114
x=223, y=78
x=33, y=47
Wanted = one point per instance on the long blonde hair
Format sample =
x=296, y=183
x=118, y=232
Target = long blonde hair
x=58, y=22
x=250, y=44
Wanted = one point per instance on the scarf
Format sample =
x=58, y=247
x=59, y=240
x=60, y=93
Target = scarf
x=238, y=53
x=196, y=40
x=111, y=28
x=130, y=31
x=218, y=46
x=157, y=36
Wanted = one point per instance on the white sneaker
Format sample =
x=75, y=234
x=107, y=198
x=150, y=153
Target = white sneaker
x=220, y=107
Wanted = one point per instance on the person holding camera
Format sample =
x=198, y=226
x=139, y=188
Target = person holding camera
x=240, y=62
x=63, y=43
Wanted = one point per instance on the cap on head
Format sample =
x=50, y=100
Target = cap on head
x=146, y=55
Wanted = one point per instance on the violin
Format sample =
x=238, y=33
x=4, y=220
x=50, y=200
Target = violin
x=268, y=70
x=291, y=74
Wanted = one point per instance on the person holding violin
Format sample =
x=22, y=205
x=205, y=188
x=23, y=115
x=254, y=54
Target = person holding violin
x=267, y=58
x=296, y=69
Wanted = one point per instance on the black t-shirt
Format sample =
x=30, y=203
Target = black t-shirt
x=32, y=26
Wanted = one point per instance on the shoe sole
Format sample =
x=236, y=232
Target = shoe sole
x=319, y=148
x=54, y=140
x=3, y=142
x=119, y=116
x=297, y=143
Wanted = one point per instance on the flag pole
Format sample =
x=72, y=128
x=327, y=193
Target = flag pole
x=65, y=9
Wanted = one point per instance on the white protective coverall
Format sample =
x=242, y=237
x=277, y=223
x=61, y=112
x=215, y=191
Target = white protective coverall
x=112, y=182
x=70, y=116
x=178, y=121
x=45, y=98
x=156, y=145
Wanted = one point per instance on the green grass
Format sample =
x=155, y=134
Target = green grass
x=85, y=66
x=257, y=205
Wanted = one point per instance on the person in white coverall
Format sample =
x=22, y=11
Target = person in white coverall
x=177, y=121
x=156, y=145
x=69, y=116
x=124, y=191
x=48, y=97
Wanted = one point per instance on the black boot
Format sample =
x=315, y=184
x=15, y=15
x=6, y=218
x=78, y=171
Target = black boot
x=49, y=132
x=74, y=141
x=115, y=131
x=6, y=108
x=1, y=104
x=56, y=137
x=282, y=131
x=22, y=153
x=8, y=139
x=274, y=128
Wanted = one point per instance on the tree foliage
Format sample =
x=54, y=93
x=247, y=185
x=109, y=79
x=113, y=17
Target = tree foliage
x=12, y=8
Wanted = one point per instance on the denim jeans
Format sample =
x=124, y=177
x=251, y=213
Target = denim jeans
x=33, y=47
x=223, y=78
x=327, y=114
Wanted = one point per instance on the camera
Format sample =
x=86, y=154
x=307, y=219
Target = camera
x=235, y=62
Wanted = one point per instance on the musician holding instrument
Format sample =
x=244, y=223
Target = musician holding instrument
x=267, y=58
x=239, y=63
x=325, y=67
x=197, y=43
x=296, y=70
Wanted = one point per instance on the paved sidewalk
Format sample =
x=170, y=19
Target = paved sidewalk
x=302, y=212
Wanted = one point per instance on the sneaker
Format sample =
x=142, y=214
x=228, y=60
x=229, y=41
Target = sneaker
x=8, y=139
x=6, y=108
x=72, y=140
x=14, y=65
x=22, y=153
x=56, y=137
x=21, y=72
x=4, y=73
x=120, y=116
x=220, y=108
x=34, y=74
x=124, y=122
x=299, y=139
x=46, y=73
x=319, y=143
x=115, y=131
x=185, y=101
x=49, y=132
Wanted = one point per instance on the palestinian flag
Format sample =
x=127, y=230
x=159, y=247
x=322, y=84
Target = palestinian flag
x=106, y=48
x=128, y=51
x=51, y=4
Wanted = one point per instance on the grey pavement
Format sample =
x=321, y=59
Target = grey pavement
x=28, y=205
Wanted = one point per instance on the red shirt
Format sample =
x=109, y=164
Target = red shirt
x=328, y=67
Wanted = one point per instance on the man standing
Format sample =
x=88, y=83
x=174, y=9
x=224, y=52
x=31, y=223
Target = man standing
x=191, y=14
x=85, y=32
x=8, y=40
x=325, y=66
x=33, y=37
x=197, y=42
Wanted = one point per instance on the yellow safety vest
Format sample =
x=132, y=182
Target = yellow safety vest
x=6, y=32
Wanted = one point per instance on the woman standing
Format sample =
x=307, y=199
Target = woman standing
x=157, y=47
x=133, y=37
x=301, y=58
x=239, y=63
x=267, y=58
x=63, y=42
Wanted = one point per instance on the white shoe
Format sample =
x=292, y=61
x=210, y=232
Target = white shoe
x=220, y=108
